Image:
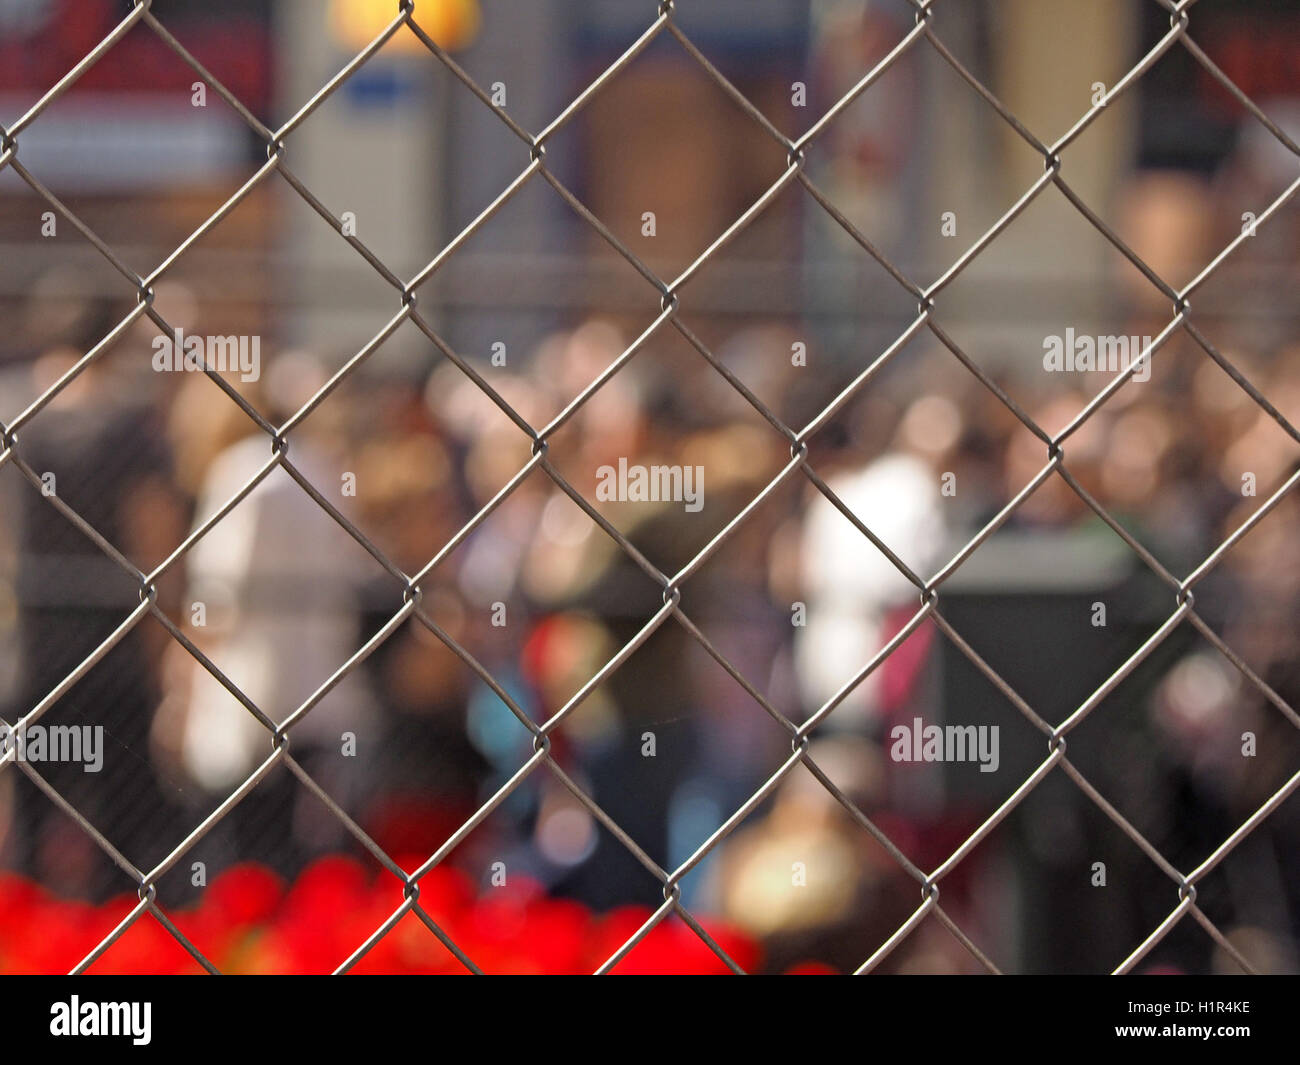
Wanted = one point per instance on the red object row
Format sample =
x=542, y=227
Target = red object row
x=249, y=921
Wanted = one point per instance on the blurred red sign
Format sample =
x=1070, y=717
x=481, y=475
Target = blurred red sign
x=41, y=40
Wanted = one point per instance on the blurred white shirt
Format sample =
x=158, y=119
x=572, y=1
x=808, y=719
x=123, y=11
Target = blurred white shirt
x=850, y=587
x=279, y=579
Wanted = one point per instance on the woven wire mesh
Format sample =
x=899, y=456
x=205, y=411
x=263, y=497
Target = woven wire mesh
x=674, y=301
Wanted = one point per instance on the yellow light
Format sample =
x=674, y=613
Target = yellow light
x=453, y=24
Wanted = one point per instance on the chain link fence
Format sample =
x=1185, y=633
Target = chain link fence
x=674, y=296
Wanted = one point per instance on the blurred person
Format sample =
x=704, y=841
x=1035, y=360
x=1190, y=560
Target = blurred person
x=279, y=582
x=1201, y=712
x=738, y=744
x=855, y=595
x=573, y=570
x=428, y=777
x=428, y=774
x=106, y=450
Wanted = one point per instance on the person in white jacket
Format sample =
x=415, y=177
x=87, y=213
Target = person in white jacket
x=279, y=582
x=850, y=587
